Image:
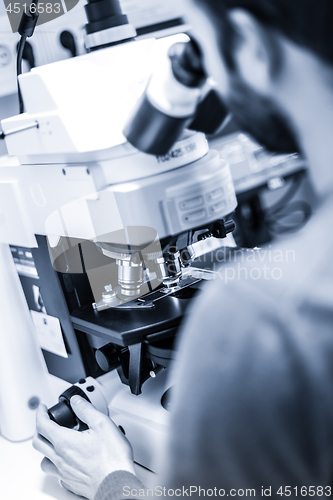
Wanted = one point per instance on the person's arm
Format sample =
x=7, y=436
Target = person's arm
x=119, y=485
x=248, y=404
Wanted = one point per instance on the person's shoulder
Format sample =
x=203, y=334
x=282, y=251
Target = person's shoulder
x=272, y=296
x=284, y=272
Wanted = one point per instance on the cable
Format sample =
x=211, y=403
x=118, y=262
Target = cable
x=26, y=29
x=19, y=69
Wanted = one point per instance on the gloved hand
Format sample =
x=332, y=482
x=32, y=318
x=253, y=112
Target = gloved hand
x=81, y=460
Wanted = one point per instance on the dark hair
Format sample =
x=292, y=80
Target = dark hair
x=309, y=23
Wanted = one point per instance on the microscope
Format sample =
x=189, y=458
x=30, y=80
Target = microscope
x=108, y=198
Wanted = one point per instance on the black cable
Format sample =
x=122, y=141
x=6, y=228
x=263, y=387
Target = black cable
x=19, y=69
x=26, y=29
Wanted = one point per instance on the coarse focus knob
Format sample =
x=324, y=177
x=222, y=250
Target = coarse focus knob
x=62, y=412
x=107, y=358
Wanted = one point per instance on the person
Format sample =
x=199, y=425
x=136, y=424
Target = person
x=252, y=410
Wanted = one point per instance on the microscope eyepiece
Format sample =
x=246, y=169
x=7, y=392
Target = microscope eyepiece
x=176, y=98
x=186, y=63
x=107, y=25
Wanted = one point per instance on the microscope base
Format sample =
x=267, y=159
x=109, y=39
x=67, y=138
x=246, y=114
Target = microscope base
x=142, y=418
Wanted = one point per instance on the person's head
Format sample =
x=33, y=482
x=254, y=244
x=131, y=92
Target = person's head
x=256, y=50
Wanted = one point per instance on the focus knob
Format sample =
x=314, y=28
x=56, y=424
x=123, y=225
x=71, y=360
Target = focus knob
x=107, y=358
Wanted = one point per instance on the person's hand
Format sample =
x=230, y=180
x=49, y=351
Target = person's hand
x=81, y=460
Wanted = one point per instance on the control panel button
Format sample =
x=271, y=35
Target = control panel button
x=217, y=207
x=231, y=200
x=229, y=187
x=190, y=203
x=215, y=195
x=194, y=216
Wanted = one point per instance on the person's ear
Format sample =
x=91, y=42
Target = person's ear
x=256, y=50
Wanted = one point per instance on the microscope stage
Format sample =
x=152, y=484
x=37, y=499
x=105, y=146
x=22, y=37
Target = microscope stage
x=156, y=315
